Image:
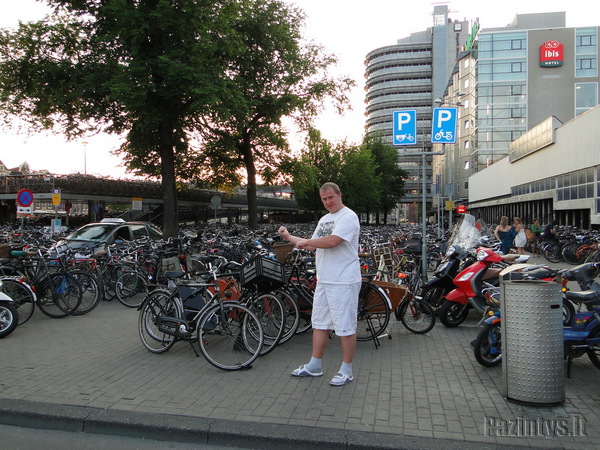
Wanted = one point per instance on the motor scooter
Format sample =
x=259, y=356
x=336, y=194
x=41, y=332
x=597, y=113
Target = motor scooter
x=9, y=317
x=469, y=285
x=580, y=336
x=460, y=253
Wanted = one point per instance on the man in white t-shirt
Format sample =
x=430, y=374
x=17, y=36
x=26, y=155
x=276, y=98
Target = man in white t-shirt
x=338, y=282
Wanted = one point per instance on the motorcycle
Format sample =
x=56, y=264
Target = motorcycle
x=469, y=285
x=9, y=317
x=580, y=336
x=459, y=254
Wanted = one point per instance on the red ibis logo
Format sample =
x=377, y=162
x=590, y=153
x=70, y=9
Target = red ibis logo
x=551, y=54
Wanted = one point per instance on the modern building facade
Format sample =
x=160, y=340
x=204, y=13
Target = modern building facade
x=552, y=172
x=535, y=79
x=410, y=76
x=527, y=71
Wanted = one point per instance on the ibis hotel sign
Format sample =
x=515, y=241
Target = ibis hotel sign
x=551, y=54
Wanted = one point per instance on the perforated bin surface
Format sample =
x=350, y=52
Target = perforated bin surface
x=532, y=342
x=262, y=273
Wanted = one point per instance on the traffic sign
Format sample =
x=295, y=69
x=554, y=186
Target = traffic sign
x=24, y=210
x=24, y=197
x=215, y=201
x=449, y=205
x=405, y=127
x=443, y=126
x=56, y=199
x=461, y=209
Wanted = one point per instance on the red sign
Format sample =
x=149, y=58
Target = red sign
x=25, y=197
x=551, y=54
x=461, y=209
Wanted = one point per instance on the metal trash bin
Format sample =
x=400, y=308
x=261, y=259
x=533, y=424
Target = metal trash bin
x=532, y=341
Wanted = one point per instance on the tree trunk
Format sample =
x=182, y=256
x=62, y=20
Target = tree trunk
x=246, y=151
x=169, y=190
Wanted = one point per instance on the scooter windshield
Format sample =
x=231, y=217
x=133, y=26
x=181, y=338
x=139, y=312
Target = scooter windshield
x=468, y=232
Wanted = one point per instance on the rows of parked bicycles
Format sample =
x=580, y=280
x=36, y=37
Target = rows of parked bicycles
x=235, y=295
x=224, y=292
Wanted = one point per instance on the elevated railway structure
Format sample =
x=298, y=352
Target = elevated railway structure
x=86, y=198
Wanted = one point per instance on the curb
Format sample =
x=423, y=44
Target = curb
x=187, y=429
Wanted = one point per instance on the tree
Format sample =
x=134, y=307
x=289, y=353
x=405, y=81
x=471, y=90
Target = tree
x=318, y=163
x=390, y=174
x=352, y=168
x=142, y=69
x=359, y=180
x=275, y=76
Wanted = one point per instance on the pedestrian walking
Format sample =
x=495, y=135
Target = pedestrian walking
x=335, y=303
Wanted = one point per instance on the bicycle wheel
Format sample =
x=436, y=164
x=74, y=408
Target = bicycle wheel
x=487, y=347
x=417, y=316
x=434, y=296
x=292, y=315
x=373, y=312
x=22, y=295
x=304, y=301
x=569, y=253
x=9, y=318
x=593, y=256
x=109, y=281
x=59, y=295
x=131, y=289
x=583, y=253
x=90, y=291
x=552, y=252
x=230, y=336
x=270, y=310
x=154, y=337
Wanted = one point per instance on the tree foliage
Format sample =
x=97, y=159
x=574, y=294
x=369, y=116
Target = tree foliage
x=141, y=69
x=276, y=75
x=368, y=175
x=391, y=175
x=196, y=88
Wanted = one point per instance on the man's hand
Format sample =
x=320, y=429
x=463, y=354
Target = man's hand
x=284, y=233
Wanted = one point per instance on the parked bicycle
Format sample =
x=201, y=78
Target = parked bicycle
x=230, y=336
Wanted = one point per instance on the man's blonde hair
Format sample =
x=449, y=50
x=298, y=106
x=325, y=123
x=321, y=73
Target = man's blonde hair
x=330, y=185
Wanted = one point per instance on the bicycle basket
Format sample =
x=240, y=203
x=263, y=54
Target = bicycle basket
x=282, y=250
x=191, y=301
x=262, y=273
x=411, y=245
x=394, y=291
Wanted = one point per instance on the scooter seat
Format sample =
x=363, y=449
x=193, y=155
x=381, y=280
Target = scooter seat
x=588, y=297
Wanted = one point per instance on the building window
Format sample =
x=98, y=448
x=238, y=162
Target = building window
x=516, y=67
x=586, y=97
x=586, y=59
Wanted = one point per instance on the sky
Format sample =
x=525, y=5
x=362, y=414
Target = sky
x=348, y=30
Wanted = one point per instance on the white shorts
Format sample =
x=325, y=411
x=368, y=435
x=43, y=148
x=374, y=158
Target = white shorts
x=335, y=307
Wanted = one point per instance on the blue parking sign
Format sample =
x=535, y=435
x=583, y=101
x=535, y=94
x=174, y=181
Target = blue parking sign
x=443, y=125
x=405, y=127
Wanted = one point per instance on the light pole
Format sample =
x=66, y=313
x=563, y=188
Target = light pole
x=85, y=158
x=450, y=165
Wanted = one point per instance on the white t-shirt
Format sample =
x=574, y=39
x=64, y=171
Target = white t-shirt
x=340, y=264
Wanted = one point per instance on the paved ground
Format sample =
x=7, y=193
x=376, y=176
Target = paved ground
x=92, y=374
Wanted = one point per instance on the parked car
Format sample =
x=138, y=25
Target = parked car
x=96, y=236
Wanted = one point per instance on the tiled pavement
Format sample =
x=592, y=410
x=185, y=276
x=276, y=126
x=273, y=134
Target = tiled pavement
x=92, y=374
